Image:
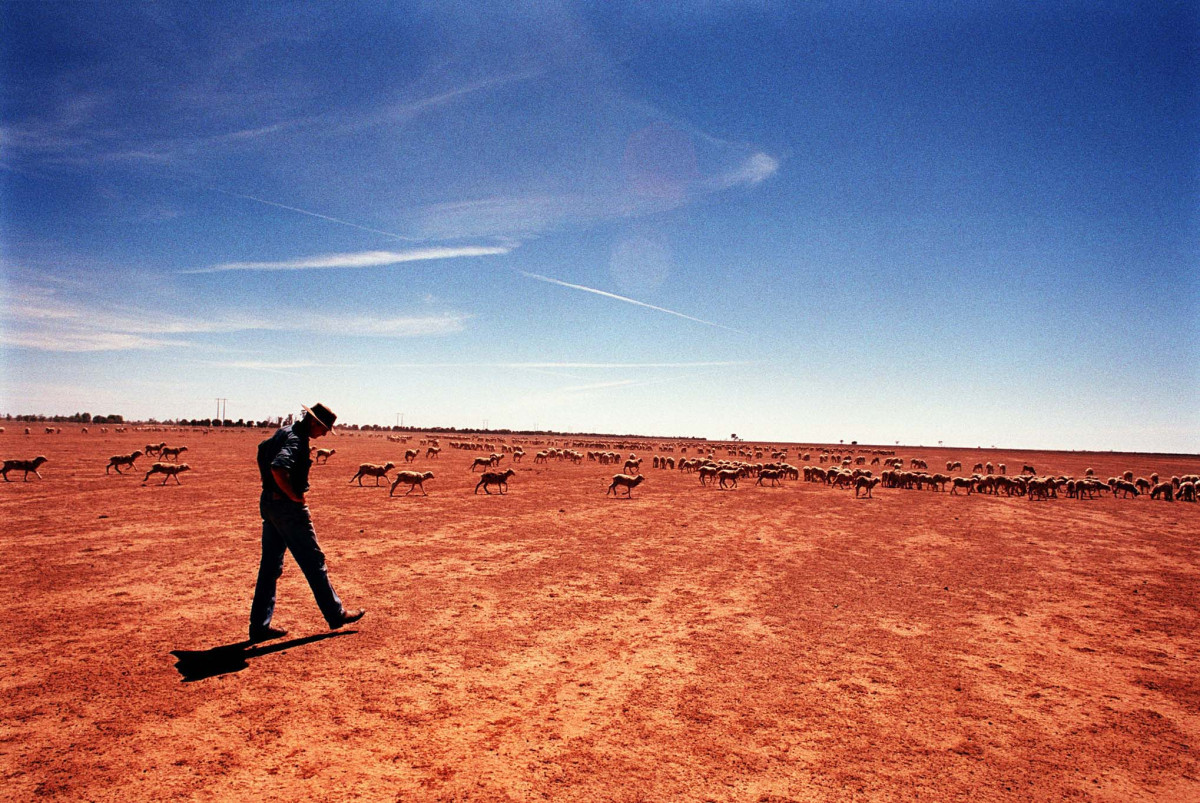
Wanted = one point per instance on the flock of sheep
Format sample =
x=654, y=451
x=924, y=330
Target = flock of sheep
x=768, y=467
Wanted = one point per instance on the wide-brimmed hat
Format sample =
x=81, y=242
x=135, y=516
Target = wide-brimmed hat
x=322, y=414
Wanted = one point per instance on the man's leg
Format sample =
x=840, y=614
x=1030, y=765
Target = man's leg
x=296, y=525
x=269, y=569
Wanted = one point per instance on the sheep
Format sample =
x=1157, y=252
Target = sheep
x=172, y=452
x=432, y=452
x=1128, y=476
x=865, y=483
x=22, y=465
x=1091, y=472
x=1187, y=491
x=772, y=474
x=634, y=463
x=169, y=470
x=962, y=482
x=497, y=478
x=1144, y=485
x=373, y=470
x=486, y=462
x=624, y=481
x=728, y=475
x=1028, y=469
x=413, y=479
x=323, y=455
x=1126, y=488
x=707, y=472
x=978, y=467
x=518, y=454
x=952, y=465
x=118, y=460
x=410, y=455
x=154, y=448
x=1003, y=468
x=1164, y=489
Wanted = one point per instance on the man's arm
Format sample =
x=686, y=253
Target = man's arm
x=285, y=485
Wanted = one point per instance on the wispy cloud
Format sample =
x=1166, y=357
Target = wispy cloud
x=362, y=259
x=754, y=170
x=40, y=319
x=616, y=297
x=310, y=213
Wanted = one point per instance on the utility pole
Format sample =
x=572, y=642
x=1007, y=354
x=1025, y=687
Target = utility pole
x=400, y=419
x=221, y=409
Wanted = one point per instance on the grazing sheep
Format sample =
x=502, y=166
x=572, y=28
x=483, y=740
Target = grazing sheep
x=962, y=482
x=1003, y=468
x=497, y=478
x=1091, y=472
x=1164, y=489
x=865, y=483
x=410, y=455
x=169, y=470
x=990, y=468
x=1125, y=487
x=172, y=452
x=978, y=468
x=373, y=470
x=627, y=482
x=118, y=460
x=1143, y=485
x=323, y=455
x=1027, y=469
x=952, y=465
x=1187, y=491
x=22, y=465
x=1128, y=476
x=413, y=479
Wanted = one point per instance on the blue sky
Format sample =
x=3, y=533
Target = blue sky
x=973, y=222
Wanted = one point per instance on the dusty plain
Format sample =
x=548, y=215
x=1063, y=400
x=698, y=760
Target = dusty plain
x=554, y=643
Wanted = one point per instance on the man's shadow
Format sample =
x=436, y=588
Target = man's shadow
x=200, y=664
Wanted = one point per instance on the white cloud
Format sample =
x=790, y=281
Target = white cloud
x=38, y=318
x=363, y=259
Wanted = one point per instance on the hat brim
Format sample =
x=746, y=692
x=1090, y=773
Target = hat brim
x=315, y=417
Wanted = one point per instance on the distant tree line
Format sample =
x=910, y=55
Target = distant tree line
x=88, y=418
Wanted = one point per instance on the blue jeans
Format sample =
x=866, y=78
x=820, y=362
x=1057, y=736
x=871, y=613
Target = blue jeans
x=287, y=526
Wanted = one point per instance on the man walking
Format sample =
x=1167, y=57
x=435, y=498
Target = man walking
x=284, y=462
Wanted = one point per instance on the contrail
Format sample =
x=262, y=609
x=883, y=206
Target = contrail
x=339, y=221
x=547, y=279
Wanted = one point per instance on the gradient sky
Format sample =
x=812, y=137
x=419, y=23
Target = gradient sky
x=964, y=222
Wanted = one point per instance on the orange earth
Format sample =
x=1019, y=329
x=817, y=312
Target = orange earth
x=688, y=644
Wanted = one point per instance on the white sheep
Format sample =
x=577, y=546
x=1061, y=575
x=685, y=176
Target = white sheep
x=865, y=483
x=625, y=481
x=728, y=475
x=373, y=470
x=414, y=479
x=323, y=455
x=410, y=455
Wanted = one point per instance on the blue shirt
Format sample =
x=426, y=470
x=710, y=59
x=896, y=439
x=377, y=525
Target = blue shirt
x=288, y=450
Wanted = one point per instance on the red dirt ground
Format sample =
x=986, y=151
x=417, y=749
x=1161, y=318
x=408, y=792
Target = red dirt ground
x=762, y=644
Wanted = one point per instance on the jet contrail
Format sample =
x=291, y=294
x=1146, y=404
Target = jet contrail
x=547, y=279
x=316, y=215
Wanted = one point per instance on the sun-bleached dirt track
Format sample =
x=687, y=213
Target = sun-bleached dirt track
x=760, y=644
